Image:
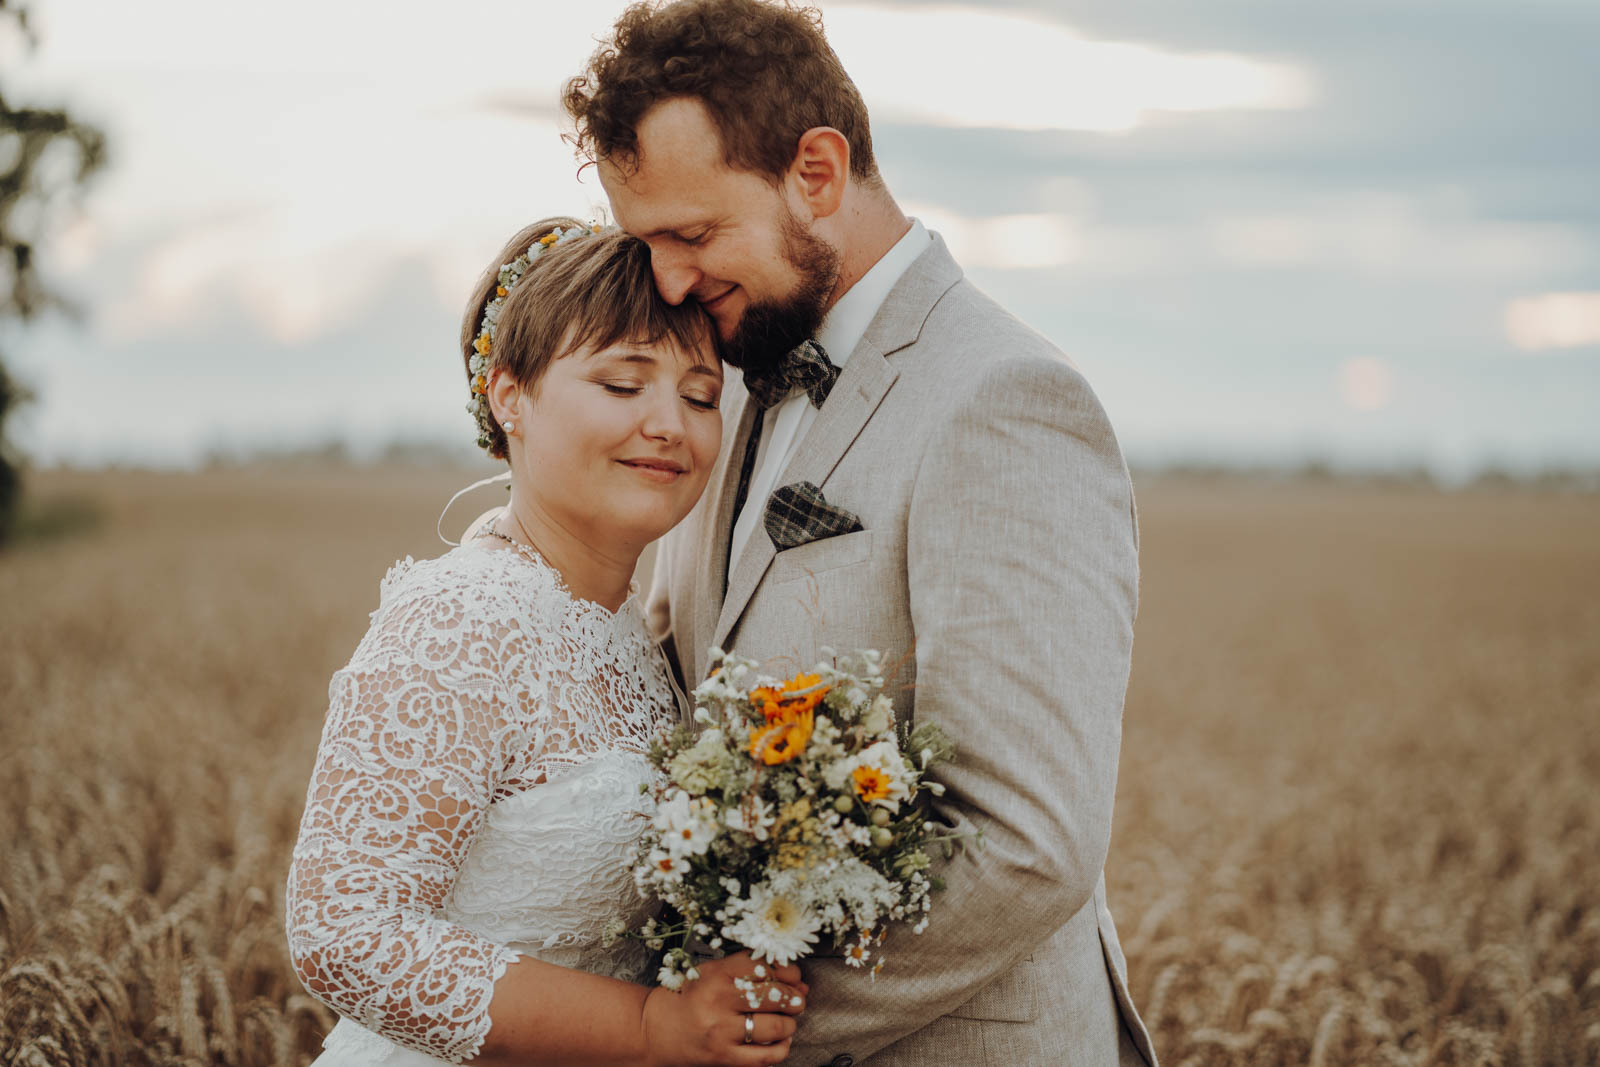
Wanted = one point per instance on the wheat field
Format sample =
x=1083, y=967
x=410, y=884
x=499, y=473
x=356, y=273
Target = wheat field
x=1358, y=816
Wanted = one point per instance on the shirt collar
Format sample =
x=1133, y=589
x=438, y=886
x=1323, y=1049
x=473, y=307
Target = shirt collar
x=852, y=313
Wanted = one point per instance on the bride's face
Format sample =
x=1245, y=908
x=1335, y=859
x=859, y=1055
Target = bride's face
x=616, y=444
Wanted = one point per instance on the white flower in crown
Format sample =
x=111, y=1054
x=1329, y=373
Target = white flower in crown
x=510, y=273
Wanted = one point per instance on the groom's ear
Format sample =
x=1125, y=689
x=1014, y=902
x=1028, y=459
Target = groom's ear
x=820, y=170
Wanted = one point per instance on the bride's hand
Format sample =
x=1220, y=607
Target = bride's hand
x=704, y=1022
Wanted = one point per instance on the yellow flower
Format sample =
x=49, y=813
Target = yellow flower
x=789, y=711
x=548, y=239
x=871, y=783
x=482, y=344
x=480, y=384
x=500, y=290
x=803, y=692
x=783, y=740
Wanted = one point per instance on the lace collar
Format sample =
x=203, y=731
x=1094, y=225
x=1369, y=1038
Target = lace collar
x=579, y=610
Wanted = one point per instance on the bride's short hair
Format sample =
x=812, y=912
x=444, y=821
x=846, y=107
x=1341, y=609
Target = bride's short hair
x=592, y=291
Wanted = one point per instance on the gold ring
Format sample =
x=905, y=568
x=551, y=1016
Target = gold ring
x=749, y=1028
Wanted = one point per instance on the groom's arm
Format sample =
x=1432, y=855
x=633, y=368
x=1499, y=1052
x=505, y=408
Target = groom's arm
x=1022, y=562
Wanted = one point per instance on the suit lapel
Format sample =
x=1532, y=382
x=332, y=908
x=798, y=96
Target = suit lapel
x=861, y=387
x=712, y=554
x=862, y=384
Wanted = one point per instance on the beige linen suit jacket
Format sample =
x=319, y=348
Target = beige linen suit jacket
x=999, y=567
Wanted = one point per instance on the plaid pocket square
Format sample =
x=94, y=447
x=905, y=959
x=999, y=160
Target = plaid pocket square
x=797, y=515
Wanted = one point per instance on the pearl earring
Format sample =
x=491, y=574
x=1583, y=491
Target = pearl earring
x=511, y=427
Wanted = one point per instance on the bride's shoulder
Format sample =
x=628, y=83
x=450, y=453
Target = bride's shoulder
x=474, y=577
x=452, y=606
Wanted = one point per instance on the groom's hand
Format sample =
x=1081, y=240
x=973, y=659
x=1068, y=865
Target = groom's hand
x=704, y=1023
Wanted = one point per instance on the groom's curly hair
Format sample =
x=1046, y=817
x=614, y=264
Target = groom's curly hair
x=763, y=69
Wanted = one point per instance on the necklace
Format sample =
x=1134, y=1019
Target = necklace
x=532, y=551
x=527, y=547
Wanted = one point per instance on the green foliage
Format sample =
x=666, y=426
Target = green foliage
x=44, y=153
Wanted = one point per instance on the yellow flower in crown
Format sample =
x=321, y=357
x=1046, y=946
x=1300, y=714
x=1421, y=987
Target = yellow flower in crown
x=480, y=385
x=501, y=290
x=482, y=344
x=549, y=239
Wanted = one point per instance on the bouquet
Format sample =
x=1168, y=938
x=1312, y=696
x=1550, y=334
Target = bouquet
x=792, y=815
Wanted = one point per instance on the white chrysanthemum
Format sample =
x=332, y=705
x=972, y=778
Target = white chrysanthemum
x=687, y=825
x=775, y=926
x=704, y=765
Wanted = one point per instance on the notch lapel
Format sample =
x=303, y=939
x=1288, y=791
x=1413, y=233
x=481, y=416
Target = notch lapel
x=861, y=387
x=711, y=571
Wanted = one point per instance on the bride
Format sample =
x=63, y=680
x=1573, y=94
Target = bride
x=470, y=824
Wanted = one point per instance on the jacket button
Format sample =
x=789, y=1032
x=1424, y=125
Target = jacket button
x=844, y=1059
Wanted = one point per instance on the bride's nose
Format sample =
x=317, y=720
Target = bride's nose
x=663, y=417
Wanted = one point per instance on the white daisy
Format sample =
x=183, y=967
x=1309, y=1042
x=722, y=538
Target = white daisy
x=665, y=867
x=687, y=825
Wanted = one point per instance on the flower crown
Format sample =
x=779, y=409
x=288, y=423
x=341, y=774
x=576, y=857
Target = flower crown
x=510, y=273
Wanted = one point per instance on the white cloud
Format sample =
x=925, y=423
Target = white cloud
x=1554, y=320
x=952, y=66
x=1385, y=234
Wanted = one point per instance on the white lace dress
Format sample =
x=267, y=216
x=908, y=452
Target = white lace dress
x=476, y=797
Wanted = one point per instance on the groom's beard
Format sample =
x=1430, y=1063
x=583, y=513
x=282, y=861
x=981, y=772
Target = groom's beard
x=768, y=330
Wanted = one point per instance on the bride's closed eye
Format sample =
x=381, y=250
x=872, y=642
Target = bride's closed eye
x=616, y=389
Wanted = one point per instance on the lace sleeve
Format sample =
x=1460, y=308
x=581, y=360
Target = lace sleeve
x=420, y=727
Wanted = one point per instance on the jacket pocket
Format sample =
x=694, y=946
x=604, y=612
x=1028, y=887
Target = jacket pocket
x=1013, y=997
x=816, y=557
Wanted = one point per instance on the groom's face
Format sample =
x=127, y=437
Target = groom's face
x=729, y=239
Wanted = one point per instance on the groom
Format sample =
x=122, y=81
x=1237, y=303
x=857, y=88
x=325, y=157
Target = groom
x=923, y=475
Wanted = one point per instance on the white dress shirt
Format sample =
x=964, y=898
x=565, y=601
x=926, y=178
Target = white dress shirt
x=785, y=424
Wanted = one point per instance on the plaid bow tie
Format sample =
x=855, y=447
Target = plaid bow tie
x=805, y=366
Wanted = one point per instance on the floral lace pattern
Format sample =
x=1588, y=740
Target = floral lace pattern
x=475, y=797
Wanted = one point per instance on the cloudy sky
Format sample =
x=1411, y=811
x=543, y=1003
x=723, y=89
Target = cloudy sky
x=1266, y=230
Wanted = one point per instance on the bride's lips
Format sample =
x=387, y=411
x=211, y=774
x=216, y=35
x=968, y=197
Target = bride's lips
x=657, y=470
